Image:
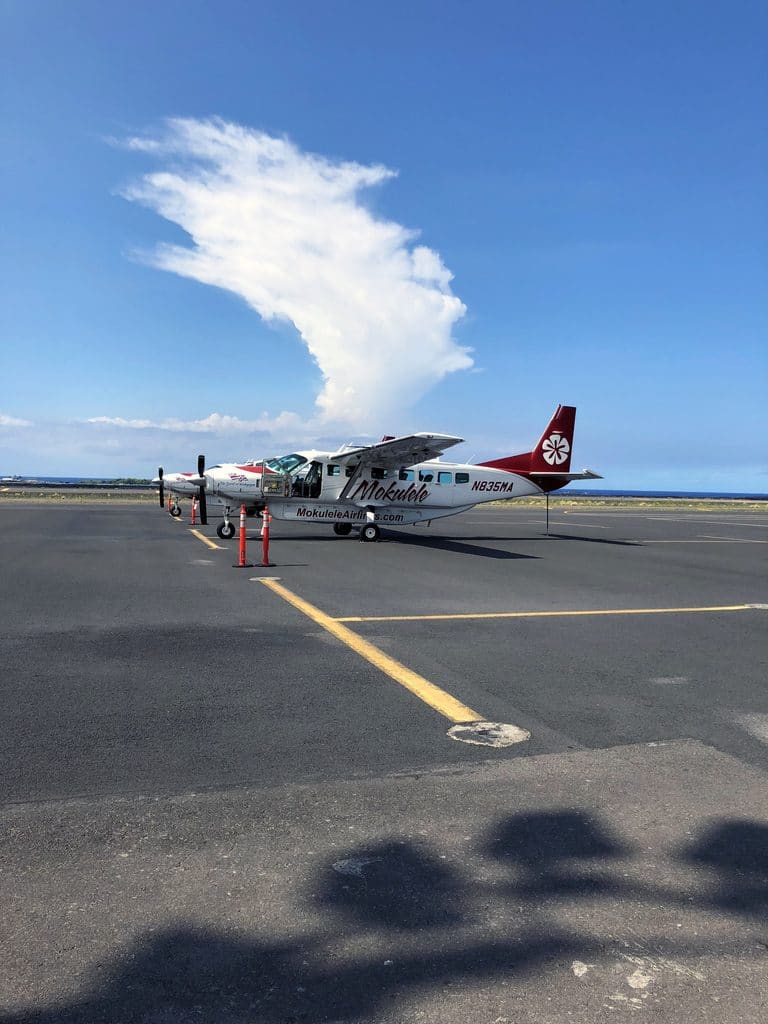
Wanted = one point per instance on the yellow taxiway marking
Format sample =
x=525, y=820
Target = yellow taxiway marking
x=543, y=615
x=438, y=699
x=205, y=540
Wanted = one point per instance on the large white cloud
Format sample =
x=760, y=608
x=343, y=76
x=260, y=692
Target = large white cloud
x=216, y=423
x=286, y=230
x=13, y=421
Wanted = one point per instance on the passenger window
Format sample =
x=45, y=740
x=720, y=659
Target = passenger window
x=350, y=470
x=462, y=478
x=425, y=476
x=333, y=470
x=443, y=478
x=377, y=473
x=405, y=474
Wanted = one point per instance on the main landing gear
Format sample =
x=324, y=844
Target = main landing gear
x=370, y=532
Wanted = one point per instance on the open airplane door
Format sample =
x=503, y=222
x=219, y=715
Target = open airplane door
x=274, y=484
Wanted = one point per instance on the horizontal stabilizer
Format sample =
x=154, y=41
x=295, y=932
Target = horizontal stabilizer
x=586, y=474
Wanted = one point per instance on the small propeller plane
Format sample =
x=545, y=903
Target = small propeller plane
x=233, y=486
x=398, y=482
x=179, y=486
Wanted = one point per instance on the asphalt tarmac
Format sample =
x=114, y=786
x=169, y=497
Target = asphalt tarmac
x=169, y=719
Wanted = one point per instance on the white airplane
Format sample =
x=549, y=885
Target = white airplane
x=178, y=484
x=398, y=482
x=229, y=479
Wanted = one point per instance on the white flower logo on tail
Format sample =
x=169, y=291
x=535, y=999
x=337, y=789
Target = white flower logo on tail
x=555, y=450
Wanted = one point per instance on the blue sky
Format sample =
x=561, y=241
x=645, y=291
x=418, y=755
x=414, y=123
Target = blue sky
x=576, y=213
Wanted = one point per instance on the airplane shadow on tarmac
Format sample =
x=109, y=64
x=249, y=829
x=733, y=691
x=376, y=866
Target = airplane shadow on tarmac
x=428, y=912
x=439, y=543
x=456, y=546
x=593, y=540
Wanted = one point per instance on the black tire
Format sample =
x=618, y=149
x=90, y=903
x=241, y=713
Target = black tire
x=226, y=530
x=370, y=532
x=342, y=529
x=175, y=511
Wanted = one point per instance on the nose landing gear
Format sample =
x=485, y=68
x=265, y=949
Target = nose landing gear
x=226, y=530
x=370, y=532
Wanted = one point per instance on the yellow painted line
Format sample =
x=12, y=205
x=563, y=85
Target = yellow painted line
x=205, y=540
x=418, y=685
x=543, y=615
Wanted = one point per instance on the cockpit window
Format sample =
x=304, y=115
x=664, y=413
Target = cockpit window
x=286, y=464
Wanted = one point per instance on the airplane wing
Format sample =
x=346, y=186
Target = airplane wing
x=398, y=451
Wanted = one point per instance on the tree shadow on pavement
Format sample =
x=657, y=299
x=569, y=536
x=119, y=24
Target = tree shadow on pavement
x=550, y=848
x=736, y=855
x=395, y=885
x=425, y=909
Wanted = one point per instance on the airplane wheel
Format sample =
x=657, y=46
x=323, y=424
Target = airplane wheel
x=342, y=529
x=226, y=530
x=370, y=532
x=175, y=511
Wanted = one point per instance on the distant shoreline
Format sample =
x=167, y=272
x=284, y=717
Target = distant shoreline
x=107, y=492
x=75, y=494
x=120, y=484
x=74, y=483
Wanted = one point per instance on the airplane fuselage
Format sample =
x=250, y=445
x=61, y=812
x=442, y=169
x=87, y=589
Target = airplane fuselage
x=178, y=483
x=237, y=484
x=406, y=496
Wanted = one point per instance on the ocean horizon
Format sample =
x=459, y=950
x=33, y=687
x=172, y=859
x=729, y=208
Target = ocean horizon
x=576, y=492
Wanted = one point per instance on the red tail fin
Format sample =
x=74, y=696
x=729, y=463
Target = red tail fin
x=552, y=452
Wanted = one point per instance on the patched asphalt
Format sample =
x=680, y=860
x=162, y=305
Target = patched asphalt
x=165, y=715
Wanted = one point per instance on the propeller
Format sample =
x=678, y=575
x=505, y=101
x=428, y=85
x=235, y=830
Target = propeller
x=201, y=490
x=162, y=489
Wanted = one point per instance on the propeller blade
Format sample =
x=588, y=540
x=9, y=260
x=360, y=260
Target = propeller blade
x=162, y=489
x=201, y=490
